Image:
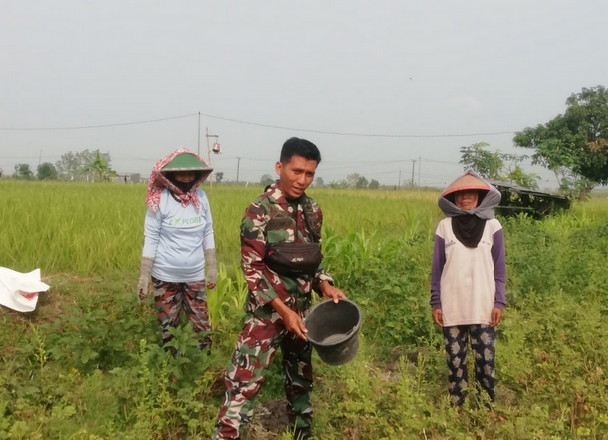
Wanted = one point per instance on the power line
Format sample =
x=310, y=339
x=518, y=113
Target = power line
x=81, y=127
x=258, y=124
x=343, y=133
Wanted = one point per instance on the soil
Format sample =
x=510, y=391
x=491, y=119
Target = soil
x=270, y=420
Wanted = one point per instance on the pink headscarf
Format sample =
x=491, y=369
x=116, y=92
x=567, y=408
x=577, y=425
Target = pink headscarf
x=158, y=181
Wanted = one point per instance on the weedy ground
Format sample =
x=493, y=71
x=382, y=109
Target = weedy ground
x=87, y=365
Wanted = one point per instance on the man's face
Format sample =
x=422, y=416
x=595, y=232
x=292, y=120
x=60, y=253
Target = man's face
x=295, y=175
x=467, y=199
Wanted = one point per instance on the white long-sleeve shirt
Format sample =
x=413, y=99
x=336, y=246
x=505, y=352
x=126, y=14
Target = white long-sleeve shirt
x=175, y=237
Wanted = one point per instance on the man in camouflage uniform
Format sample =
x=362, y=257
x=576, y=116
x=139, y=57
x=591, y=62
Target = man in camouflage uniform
x=277, y=303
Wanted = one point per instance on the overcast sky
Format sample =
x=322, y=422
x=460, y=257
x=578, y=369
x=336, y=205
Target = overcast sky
x=382, y=87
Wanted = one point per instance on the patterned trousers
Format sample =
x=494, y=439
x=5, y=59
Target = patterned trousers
x=254, y=352
x=171, y=298
x=482, y=338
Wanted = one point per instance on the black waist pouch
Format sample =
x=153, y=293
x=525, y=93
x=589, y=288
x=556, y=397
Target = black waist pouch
x=294, y=259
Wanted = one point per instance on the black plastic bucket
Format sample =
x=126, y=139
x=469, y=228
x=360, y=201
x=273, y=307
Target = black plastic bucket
x=333, y=329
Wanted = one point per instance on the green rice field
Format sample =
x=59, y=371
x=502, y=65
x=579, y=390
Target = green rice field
x=87, y=365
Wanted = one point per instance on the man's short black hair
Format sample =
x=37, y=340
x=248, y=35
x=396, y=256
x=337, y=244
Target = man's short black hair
x=300, y=147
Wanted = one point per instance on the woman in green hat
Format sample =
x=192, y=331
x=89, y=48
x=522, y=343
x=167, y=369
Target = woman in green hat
x=179, y=244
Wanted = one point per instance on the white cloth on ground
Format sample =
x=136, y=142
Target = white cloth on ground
x=19, y=291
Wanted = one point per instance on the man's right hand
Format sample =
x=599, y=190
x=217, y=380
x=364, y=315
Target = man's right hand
x=294, y=324
x=292, y=321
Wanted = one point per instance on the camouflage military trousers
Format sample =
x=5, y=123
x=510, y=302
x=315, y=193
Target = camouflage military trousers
x=255, y=350
x=482, y=342
x=171, y=298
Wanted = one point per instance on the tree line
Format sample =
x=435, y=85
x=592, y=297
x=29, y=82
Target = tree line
x=354, y=180
x=82, y=165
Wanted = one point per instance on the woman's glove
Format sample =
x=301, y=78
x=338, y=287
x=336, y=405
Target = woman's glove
x=144, y=277
x=211, y=270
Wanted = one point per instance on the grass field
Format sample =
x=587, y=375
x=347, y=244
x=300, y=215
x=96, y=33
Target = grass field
x=87, y=364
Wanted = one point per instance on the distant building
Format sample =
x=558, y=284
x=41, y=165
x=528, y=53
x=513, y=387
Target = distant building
x=128, y=178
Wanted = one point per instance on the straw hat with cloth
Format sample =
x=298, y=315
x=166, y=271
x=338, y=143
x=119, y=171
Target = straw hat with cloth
x=181, y=159
x=469, y=224
x=489, y=197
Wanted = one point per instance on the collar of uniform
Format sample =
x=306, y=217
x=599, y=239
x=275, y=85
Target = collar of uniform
x=275, y=195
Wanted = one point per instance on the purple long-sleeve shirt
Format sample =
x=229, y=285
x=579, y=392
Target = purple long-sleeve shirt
x=460, y=270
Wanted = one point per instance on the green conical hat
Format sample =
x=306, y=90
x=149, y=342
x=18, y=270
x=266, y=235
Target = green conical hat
x=186, y=162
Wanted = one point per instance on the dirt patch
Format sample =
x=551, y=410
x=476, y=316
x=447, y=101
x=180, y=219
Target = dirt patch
x=217, y=386
x=506, y=396
x=270, y=420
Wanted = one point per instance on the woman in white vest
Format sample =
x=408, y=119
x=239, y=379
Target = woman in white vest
x=468, y=281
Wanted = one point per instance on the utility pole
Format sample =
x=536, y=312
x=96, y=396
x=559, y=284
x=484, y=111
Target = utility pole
x=198, y=151
x=419, y=165
x=238, y=165
x=399, y=181
x=215, y=136
x=413, y=168
x=207, y=135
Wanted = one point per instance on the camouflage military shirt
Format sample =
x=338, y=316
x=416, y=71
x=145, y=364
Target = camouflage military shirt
x=272, y=218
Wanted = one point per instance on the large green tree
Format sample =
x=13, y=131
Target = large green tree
x=98, y=165
x=23, y=171
x=488, y=164
x=81, y=165
x=69, y=166
x=496, y=165
x=356, y=180
x=266, y=180
x=573, y=145
x=46, y=171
